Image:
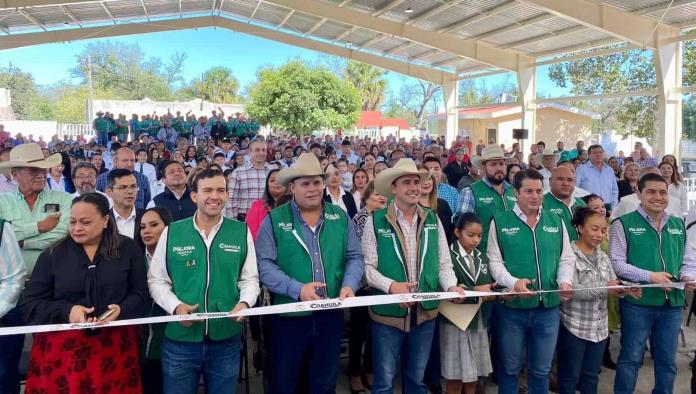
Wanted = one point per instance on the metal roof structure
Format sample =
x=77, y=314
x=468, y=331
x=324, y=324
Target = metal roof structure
x=427, y=39
x=441, y=41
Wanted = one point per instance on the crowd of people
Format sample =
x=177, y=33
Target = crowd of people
x=138, y=223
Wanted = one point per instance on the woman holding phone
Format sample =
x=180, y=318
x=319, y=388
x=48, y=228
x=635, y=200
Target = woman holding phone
x=92, y=275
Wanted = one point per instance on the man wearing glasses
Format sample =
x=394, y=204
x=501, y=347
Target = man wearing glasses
x=122, y=187
x=84, y=177
x=125, y=159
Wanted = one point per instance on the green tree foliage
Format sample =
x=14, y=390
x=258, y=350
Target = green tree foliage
x=626, y=71
x=217, y=85
x=124, y=70
x=369, y=82
x=23, y=91
x=301, y=99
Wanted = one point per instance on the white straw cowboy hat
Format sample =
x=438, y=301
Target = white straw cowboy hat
x=403, y=167
x=548, y=152
x=491, y=152
x=30, y=155
x=306, y=165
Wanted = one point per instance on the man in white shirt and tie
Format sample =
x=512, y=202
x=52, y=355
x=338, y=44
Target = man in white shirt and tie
x=122, y=187
x=145, y=168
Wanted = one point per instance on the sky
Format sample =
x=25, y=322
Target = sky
x=205, y=48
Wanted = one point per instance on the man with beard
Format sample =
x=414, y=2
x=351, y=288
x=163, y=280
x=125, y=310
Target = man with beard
x=491, y=194
x=560, y=199
x=84, y=178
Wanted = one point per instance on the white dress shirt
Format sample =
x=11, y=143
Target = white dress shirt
x=53, y=184
x=338, y=201
x=496, y=264
x=126, y=226
x=148, y=170
x=7, y=184
x=160, y=282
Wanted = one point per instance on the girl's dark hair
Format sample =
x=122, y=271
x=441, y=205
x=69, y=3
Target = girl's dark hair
x=195, y=153
x=163, y=213
x=465, y=219
x=509, y=167
x=110, y=237
x=590, y=197
x=364, y=171
x=581, y=215
x=267, y=192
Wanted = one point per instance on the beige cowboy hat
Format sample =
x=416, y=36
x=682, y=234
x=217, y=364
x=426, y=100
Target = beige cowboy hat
x=491, y=152
x=548, y=152
x=385, y=179
x=306, y=165
x=30, y=155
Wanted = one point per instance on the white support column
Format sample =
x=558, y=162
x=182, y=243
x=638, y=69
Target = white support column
x=526, y=83
x=668, y=66
x=450, y=93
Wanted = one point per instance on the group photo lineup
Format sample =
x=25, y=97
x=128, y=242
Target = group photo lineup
x=347, y=196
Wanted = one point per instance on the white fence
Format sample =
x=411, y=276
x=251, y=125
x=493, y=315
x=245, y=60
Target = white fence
x=47, y=129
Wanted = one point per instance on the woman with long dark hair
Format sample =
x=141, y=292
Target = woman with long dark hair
x=92, y=275
x=191, y=156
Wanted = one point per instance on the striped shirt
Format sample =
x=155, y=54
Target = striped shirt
x=586, y=315
x=12, y=270
x=618, y=252
x=245, y=185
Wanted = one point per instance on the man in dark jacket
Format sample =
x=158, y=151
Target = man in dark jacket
x=176, y=195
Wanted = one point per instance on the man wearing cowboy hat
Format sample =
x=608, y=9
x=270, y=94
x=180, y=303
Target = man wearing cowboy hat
x=39, y=216
x=307, y=250
x=492, y=193
x=548, y=159
x=405, y=251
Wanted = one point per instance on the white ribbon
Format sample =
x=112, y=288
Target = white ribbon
x=304, y=306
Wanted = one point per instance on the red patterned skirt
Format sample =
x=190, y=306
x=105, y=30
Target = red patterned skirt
x=103, y=361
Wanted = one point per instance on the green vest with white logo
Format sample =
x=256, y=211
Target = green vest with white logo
x=531, y=254
x=648, y=250
x=206, y=277
x=558, y=207
x=488, y=203
x=293, y=254
x=391, y=257
x=468, y=279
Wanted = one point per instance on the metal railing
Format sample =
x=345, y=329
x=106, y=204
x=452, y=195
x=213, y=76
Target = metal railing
x=64, y=130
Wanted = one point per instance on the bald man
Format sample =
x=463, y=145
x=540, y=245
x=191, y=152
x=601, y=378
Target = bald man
x=560, y=201
x=125, y=159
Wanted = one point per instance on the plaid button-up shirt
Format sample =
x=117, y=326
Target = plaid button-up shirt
x=245, y=185
x=586, y=315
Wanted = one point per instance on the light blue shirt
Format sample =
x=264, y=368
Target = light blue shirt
x=601, y=183
x=12, y=270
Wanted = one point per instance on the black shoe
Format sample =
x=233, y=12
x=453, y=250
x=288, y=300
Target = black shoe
x=607, y=362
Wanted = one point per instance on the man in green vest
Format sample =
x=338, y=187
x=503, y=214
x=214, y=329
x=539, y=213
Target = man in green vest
x=649, y=246
x=560, y=200
x=405, y=251
x=491, y=194
x=529, y=249
x=307, y=250
x=101, y=127
x=204, y=263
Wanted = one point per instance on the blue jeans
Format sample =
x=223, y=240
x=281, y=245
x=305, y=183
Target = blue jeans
x=305, y=343
x=184, y=362
x=578, y=360
x=10, y=353
x=659, y=324
x=533, y=330
x=388, y=345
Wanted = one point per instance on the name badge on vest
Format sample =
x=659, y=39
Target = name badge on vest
x=510, y=230
x=637, y=231
x=229, y=248
x=550, y=229
x=384, y=232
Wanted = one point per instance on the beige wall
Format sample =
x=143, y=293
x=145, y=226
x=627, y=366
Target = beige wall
x=551, y=125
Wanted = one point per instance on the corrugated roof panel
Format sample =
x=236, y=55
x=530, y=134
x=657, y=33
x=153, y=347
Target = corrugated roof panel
x=161, y=6
x=301, y=22
x=273, y=15
x=398, y=13
x=631, y=5
x=243, y=9
x=458, y=11
x=676, y=14
x=330, y=30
